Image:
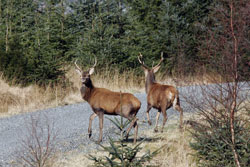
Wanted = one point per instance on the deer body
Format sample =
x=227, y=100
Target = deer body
x=159, y=96
x=104, y=101
x=111, y=103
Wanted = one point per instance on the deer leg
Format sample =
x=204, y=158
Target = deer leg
x=157, y=119
x=178, y=108
x=90, y=123
x=164, y=113
x=130, y=126
x=101, y=114
x=136, y=131
x=147, y=112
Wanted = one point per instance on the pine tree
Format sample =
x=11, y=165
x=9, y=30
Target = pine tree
x=37, y=27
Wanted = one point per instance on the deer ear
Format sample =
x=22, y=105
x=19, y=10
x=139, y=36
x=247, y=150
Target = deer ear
x=91, y=71
x=156, y=69
x=144, y=69
x=145, y=72
x=79, y=72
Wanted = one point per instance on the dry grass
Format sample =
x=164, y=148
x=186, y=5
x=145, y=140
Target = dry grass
x=125, y=82
x=175, y=145
x=75, y=159
x=15, y=99
x=198, y=78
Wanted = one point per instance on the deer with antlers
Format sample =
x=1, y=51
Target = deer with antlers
x=104, y=101
x=159, y=96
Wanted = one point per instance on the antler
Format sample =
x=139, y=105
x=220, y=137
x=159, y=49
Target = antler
x=160, y=61
x=95, y=63
x=77, y=67
x=142, y=62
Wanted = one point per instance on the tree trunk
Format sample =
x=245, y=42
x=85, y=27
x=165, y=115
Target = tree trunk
x=234, y=95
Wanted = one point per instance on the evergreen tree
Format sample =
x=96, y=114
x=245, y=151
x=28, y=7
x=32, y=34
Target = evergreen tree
x=101, y=32
x=38, y=28
x=169, y=27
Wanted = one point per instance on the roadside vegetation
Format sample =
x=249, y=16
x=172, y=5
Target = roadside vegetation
x=172, y=147
x=15, y=99
x=203, y=41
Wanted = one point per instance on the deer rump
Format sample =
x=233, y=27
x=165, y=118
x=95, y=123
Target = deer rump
x=162, y=95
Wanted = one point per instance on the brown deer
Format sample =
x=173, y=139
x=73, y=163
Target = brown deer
x=104, y=101
x=159, y=96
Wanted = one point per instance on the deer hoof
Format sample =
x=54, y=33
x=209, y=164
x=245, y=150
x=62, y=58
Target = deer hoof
x=155, y=130
x=99, y=141
x=90, y=134
x=181, y=128
x=149, y=122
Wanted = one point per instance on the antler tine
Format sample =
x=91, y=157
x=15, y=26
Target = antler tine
x=77, y=66
x=141, y=62
x=140, y=59
x=160, y=61
x=95, y=62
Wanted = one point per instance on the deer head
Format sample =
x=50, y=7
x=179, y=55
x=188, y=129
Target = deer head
x=85, y=75
x=149, y=72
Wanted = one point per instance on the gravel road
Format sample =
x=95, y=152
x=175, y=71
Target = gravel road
x=71, y=124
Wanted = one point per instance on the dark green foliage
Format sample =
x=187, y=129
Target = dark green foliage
x=214, y=146
x=116, y=31
x=33, y=42
x=170, y=27
x=14, y=64
x=20, y=68
x=103, y=34
x=53, y=33
x=121, y=154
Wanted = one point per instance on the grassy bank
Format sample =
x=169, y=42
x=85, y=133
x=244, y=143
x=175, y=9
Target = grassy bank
x=16, y=99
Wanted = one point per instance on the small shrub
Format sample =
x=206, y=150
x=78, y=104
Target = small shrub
x=38, y=147
x=121, y=154
x=212, y=141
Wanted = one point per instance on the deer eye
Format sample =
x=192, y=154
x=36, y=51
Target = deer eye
x=86, y=77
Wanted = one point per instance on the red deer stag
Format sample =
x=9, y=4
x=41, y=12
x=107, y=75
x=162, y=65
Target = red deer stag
x=104, y=101
x=160, y=97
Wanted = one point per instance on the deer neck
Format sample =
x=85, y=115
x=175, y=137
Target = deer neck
x=150, y=80
x=86, y=90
